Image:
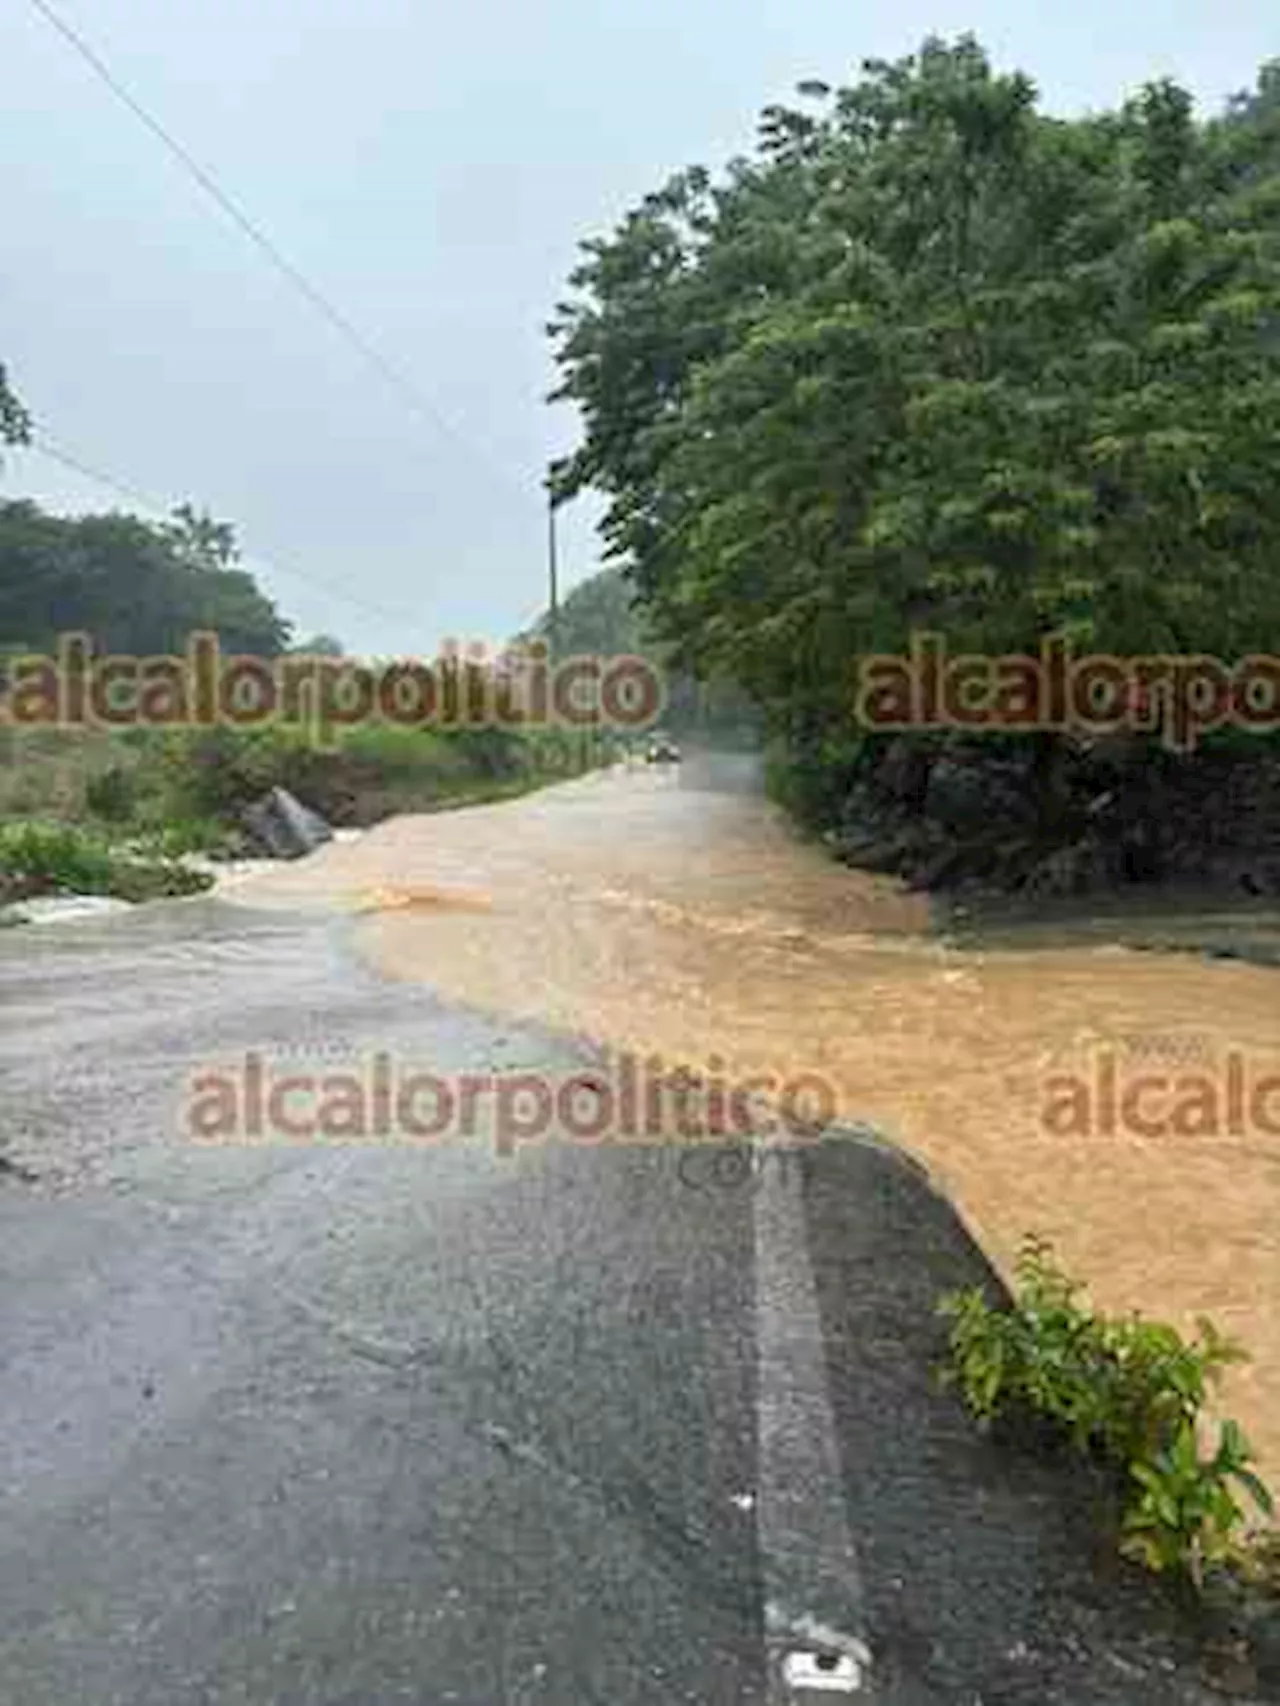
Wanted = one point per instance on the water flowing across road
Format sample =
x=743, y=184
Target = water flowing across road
x=658, y=916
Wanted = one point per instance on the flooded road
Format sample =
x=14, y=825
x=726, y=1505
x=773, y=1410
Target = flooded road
x=661, y=918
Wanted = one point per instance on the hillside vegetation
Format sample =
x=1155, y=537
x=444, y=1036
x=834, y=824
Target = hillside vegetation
x=932, y=359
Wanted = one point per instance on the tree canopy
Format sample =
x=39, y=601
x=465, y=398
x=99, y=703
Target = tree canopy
x=932, y=358
x=597, y=617
x=132, y=585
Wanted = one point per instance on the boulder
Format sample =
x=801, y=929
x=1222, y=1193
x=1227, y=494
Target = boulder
x=284, y=827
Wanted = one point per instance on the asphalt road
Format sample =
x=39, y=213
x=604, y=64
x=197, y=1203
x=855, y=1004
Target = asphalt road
x=364, y=1423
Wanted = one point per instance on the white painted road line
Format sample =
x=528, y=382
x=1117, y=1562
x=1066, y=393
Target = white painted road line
x=814, y=1605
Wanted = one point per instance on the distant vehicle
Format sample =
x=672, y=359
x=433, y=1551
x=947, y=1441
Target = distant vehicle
x=662, y=750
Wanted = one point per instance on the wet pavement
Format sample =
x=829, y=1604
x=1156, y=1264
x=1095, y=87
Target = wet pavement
x=370, y=1421
x=673, y=913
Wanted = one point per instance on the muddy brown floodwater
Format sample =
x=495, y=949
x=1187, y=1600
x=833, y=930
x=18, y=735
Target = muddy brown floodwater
x=660, y=918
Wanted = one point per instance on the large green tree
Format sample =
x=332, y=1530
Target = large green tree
x=133, y=586
x=931, y=358
x=598, y=617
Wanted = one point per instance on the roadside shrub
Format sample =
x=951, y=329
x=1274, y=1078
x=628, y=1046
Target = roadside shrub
x=112, y=795
x=60, y=858
x=175, y=838
x=212, y=774
x=1127, y=1392
x=156, y=879
x=42, y=857
x=1188, y=1514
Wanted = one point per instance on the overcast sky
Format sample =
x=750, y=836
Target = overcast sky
x=431, y=167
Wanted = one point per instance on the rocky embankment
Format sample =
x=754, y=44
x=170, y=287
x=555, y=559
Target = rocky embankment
x=1110, y=818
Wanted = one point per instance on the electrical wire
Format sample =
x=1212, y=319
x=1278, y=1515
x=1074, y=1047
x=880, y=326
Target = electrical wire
x=410, y=394
x=44, y=446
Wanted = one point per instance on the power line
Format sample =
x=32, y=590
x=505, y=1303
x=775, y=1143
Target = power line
x=410, y=394
x=46, y=447
x=56, y=453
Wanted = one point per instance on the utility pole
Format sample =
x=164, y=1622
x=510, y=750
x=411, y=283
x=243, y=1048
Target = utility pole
x=553, y=593
x=553, y=576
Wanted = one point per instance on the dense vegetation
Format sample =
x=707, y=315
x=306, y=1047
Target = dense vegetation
x=39, y=859
x=932, y=359
x=94, y=813
x=133, y=586
x=601, y=617
x=91, y=811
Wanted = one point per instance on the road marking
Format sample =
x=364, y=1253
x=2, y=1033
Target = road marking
x=814, y=1605
x=826, y=1673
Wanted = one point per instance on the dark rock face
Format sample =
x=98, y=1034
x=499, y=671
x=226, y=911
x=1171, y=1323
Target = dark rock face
x=1121, y=817
x=968, y=796
x=284, y=827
